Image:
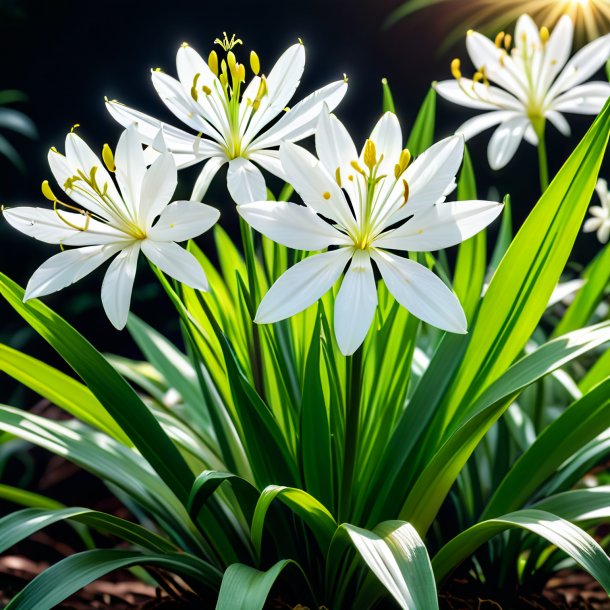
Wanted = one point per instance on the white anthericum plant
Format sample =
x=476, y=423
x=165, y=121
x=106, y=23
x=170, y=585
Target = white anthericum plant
x=231, y=116
x=365, y=205
x=106, y=220
x=535, y=84
x=600, y=214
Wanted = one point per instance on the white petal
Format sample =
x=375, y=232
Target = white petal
x=315, y=185
x=601, y=188
x=592, y=224
x=182, y=220
x=530, y=135
x=442, y=226
x=583, y=65
x=269, y=160
x=419, y=291
x=209, y=170
x=302, y=285
x=176, y=262
x=558, y=120
x=477, y=95
x=67, y=267
x=584, y=99
x=130, y=167
x=598, y=212
x=48, y=226
x=505, y=141
x=480, y=123
x=387, y=137
x=292, y=225
x=429, y=177
x=245, y=181
x=556, y=53
x=527, y=36
x=118, y=285
x=603, y=233
x=355, y=304
x=301, y=120
x=189, y=64
x=186, y=148
x=158, y=186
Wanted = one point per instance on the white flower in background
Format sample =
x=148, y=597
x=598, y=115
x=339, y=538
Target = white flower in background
x=108, y=221
x=367, y=205
x=600, y=220
x=537, y=84
x=232, y=118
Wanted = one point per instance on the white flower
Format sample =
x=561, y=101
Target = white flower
x=366, y=205
x=108, y=221
x=601, y=214
x=537, y=84
x=232, y=119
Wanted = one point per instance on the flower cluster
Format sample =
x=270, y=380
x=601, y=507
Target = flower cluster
x=358, y=207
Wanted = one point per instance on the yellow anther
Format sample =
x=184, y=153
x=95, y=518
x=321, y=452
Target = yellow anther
x=184, y=45
x=55, y=150
x=406, y=192
x=70, y=224
x=92, y=175
x=194, y=92
x=232, y=62
x=262, y=89
x=403, y=163
x=108, y=158
x=357, y=167
x=300, y=41
x=47, y=192
x=508, y=41
x=241, y=73
x=206, y=90
x=544, y=34
x=338, y=176
x=350, y=178
x=326, y=195
x=157, y=70
x=256, y=105
x=213, y=62
x=470, y=32
x=345, y=78
x=255, y=63
x=370, y=154
x=477, y=77
x=75, y=126
x=420, y=231
x=500, y=39
x=455, y=68
x=224, y=80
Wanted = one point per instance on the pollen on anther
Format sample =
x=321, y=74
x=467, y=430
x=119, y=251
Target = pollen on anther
x=326, y=195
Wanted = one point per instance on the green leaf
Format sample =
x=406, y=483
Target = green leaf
x=422, y=133
x=313, y=513
x=563, y=534
x=28, y=498
x=398, y=558
x=113, y=392
x=59, y=389
x=63, y=579
x=245, y=588
x=435, y=482
x=523, y=283
x=592, y=504
x=597, y=373
x=583, y=421
x=388, y=100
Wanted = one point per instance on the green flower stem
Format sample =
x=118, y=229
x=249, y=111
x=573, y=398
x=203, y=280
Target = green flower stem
x=539, y=127
x=353, y=396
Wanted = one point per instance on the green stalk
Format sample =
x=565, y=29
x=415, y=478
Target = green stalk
x=543, y=165
x=353, y=395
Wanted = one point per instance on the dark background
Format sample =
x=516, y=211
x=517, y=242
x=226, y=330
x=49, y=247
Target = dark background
x=67, y=55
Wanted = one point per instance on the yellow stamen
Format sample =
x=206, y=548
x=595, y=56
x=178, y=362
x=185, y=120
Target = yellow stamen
x=255, y=63
x=232, y=62
x=227, y=44
x=326, y=195
x=75, y=126
x=544, y=34
x=194, y=92
x=47, y=192
x=455, y=68
x=403, y=163
x=508, y=41
x=108, y=158
x=406, y=193
x=213, y=62
x=206, y=89
x=241, y=73
x=338, y=176
x=370, y=154
x=357, y=167
x=500, y=39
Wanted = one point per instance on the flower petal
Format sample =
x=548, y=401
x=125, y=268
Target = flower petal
x=245, y=181
x=558, y=120
x=505, y=141
x=176, y=262
x=130, y=167
x=269, y=160
x=422, y=293
x=480, y=123
x=292, y=225
x=302, y=285
x=442, y=226
x=67, y=267
x=477, y=95
x=118, y=285
x=46, y=225
x=387, y=137
x=355, y=304
x=603, y=233
x=584, y=99
x=556, y=53
x=601, y=188
x=182, y=220
x=315, y=185
x=209, y=170
x=301, y=120
x=158, y=186
x=592, y=224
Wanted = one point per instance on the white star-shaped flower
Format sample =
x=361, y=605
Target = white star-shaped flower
x=600, y=221
x=231, y=118
x=106, y=220
x=535, y=84
x=366, y=205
